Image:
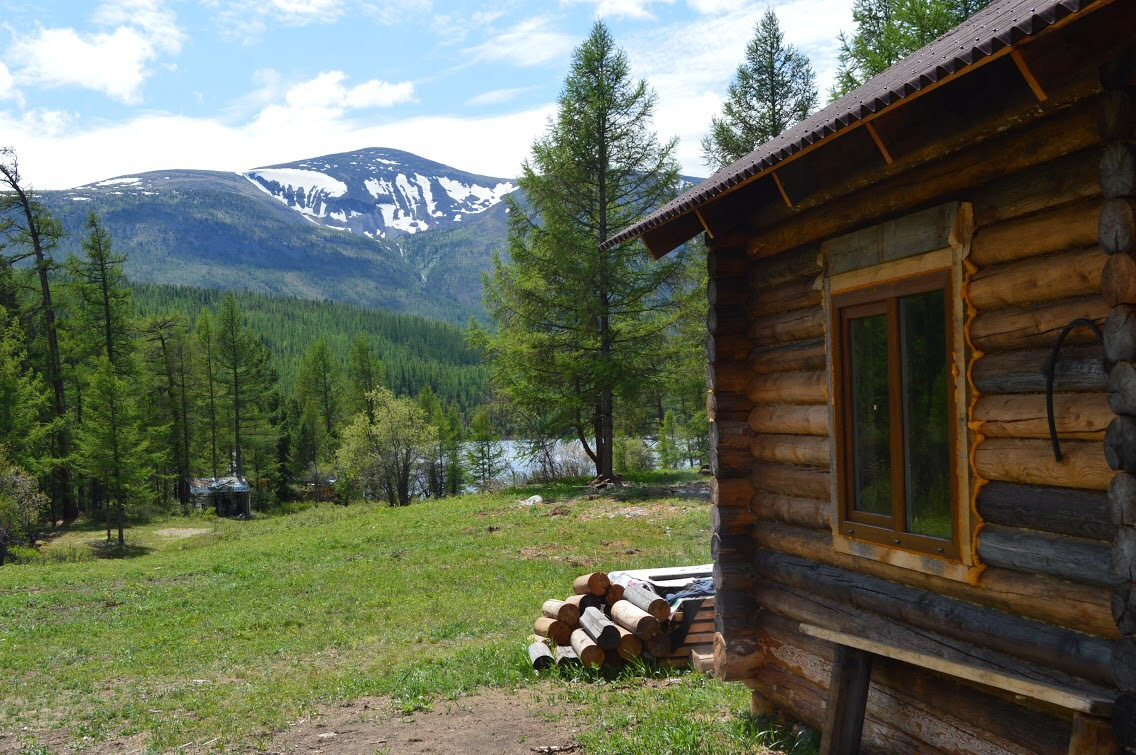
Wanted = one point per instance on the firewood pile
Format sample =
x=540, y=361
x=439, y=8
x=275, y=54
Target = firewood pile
x=611, y=619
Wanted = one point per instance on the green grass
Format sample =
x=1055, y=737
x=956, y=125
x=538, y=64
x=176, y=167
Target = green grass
x=227, y=635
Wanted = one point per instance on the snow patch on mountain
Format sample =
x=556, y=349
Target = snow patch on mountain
x=309, y=180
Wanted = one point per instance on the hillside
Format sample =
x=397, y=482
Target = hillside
x=414, y=351
x=399, y=232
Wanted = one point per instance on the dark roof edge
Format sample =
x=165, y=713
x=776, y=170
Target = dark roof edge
x=985, y=36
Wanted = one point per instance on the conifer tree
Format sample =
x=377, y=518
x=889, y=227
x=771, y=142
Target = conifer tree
x=112, y=447
x=209, y=388
x=25, y=417
x=319, y=387
x=485, y=455
x=366, y=373
x=103, y=294
x=667, y=446
x=27, y=230
x=233, y=344
x=576, y=326
x=889, y=30
x=773, y=89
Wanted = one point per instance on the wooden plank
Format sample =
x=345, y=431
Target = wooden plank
x=1063, y=697
x=1092, y=736
x=916, y=233
x=847, y=700
x=670, y=572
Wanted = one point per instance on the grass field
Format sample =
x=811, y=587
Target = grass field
x=220, y=633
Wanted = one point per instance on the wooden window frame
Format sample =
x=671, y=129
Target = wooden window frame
x=891, y=531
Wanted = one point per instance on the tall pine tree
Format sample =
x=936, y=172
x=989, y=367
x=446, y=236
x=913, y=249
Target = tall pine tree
x=773, y=89
x=576, y=326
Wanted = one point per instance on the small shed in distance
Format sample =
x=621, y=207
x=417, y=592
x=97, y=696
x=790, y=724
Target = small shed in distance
x=905, y=524
x=230, y=496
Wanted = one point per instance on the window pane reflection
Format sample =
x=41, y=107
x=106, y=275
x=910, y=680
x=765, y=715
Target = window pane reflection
x=870, y=417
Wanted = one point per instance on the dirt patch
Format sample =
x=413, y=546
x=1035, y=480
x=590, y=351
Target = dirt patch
x=493, y=721
x=177, y=533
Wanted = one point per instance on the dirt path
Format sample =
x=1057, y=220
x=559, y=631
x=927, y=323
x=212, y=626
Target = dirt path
x=492, y=721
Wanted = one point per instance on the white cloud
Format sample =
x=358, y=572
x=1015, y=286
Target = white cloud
x=497, y=96
x=247, y=20
x=493, y=146
x=528, y=43
x=328, y=91
x=377, y=93
x=115, y=62
x=8, y=89
x=634, y=9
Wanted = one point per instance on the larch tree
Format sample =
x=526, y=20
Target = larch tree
x=576, y=325
x=773, y=89
x=26, y=422
x=27, y=230
x=889, y=30
x=103, y=295
x=233, y=344
x=320, y=394
x=205, y=343
x=112, y=446
x=485, y=455
x=366, y=374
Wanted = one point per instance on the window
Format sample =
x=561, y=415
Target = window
x=895, y=414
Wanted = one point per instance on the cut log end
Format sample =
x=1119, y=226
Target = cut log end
x=595, y=583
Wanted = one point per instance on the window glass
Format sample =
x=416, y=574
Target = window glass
x=926, y=420
x=868, y=338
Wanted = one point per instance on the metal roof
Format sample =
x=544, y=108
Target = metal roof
x=998, y=26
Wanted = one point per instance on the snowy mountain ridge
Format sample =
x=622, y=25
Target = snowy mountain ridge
x=376, y=192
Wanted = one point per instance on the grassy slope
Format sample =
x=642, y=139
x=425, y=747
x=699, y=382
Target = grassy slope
x=229, y=635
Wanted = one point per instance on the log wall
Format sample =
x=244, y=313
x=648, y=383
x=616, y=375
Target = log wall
x=1055, y=594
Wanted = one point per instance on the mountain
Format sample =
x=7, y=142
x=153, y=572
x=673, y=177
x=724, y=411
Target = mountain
x=377, y=227
x=380, y=192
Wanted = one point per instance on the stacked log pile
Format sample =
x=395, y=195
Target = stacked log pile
x=605, y=624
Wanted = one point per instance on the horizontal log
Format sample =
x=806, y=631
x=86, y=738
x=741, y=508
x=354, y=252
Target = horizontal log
x=1124, y=607
x=726, y=292
x=1079, y=368
x=587, y=651
x=727, y=319
x=733, y=575
x=794, y=264
x=1118, y=170
x=800, y=356
x=803, y=512
x=1122, y=500
x=1119, y=333
x=789, y=388
x=1035, y=325
x=634, y=619
x=566, y=656
x=905, y=186
x=726, y=261
x=1052, y=230
x=1076, y=559
x=1124, y=554
x=1062, y=511
x=1124, y=662
x=795, y=294
x=726, y=547
x=1116, y=228
x=1118, y=279
x=942, y=711
x=1054, y=601
x=800, y=482
x=920, y=619
x=562, y=610
x=585, y=601
x=1037, y=279
x=731, y=492
x=614, y=594
x=797, y=325
x=1120, y=444
x=1122, y=388
x=1124, y=719
x=727, y=406
x=596, y=583
x=727, y=347
x=731, y=521
x=1031, y=462
x=729, y=463
x=1078, y=416
x=1043, y=187
x=554, y=629
x=737, y=656
x=733, y=434
x=727, y=377
x=798, y=419
x=808, y=450
x=600, y=628
x=630, y=646
x=647, y=601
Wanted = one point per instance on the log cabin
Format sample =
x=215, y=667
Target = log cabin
x=922, y=392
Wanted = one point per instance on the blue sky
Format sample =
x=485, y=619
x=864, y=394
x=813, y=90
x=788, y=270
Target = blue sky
x=90, y=90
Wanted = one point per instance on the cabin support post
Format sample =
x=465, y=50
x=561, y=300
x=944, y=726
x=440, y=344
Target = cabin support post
x=1116, y=233
x=737, y=652
x=847, y=701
